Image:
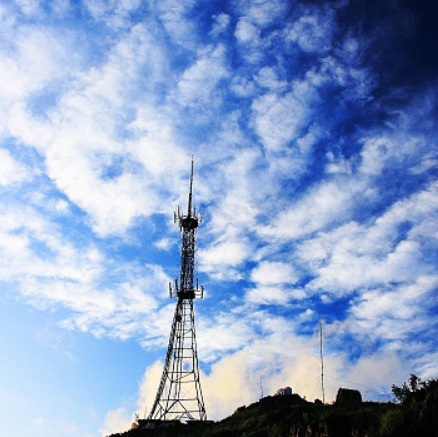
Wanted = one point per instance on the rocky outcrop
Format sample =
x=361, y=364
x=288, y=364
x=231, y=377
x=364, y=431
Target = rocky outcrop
x=348, y=396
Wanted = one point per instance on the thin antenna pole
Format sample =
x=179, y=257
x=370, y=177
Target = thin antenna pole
x=189, y=213
x=261, y=388
x=322, y=360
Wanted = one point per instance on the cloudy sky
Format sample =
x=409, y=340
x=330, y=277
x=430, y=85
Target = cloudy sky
x=313, y=126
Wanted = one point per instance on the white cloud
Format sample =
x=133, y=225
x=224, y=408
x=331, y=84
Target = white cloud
x=261, y=12
x=7, y=17
x=235, y=210
x=337, y=165
x=247, y=32
x=165, y=243
x=115, y=13
x=175, y=17
x=223, y=333
x=29, y=7
x=428, y=162
x=50, y=270
x=274, y=272
x=377, y=306
x=115, y=311
x=94, y=105
x=112, y=204
x=378, y=371
x=220, y=24
x=322, y=206
x=273, y=295
x=312, y=33
x=116, y=421
x=268, y=78
x=12, y=171
x=156, y=147
x=279, y=120
x=347, y=271
x=389, y=151
x=217, y=260
x=36, y=58
x=228, y=386
x=199, y=81
x=425, y=364
x=242, y=87
x=148, y=387
x=354, y=256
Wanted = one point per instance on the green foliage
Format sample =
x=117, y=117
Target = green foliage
x=416, y=416
x=240, y=409
x=391, y=423
x=405, y=393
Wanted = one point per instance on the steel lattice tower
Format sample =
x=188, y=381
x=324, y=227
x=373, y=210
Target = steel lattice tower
x=179, y=395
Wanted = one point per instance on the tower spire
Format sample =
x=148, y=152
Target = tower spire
x=189, y=209
x=179, y=395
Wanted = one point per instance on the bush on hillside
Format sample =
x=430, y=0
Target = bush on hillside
x=418, y=401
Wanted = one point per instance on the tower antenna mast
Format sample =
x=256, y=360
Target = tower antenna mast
x=322, y=359
x=189, y=209
x=179, y=395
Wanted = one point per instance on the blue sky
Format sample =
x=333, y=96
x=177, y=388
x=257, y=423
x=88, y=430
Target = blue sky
x=313, y=126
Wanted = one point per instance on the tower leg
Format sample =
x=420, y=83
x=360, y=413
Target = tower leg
x=179, y=395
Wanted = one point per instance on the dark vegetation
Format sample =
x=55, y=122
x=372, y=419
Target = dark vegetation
x=418, y=412
x=414, y=413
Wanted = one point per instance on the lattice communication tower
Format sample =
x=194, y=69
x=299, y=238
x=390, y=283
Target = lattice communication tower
x=179, y=395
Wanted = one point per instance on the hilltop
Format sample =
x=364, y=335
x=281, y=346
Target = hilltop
x=415, y=415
